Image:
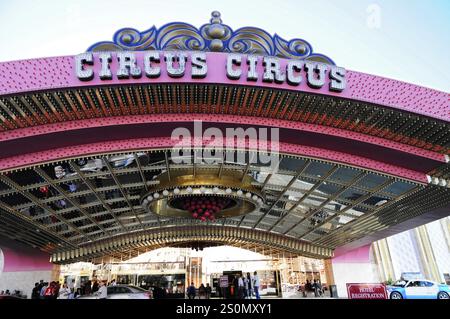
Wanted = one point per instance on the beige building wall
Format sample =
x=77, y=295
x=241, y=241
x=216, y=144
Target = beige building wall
x=425, y=249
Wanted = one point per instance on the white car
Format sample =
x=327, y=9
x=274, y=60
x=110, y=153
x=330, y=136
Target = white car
x=418, y=289
x=123, y=292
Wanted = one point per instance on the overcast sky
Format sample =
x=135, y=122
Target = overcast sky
x=406, y=40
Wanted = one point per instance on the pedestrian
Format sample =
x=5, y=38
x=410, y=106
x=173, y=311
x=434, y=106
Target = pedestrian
x=249, y=285
x=87, y=288
x=241, y=287
x=41, y=284
x=245, y=287
x=191, y=291
x=48, y=293
x=256, y=284
x=102, y=291
x=202, y=291
x=35, y=293
x=315, y=288
x=307, y=287
x=319, y=288
x=55, y=291
x=208, y=291
x=43, y=289
x=95, y=285
x=64, y=292
x=113, y=282
x=236, y=287
x=303, y=289
x=71, y=286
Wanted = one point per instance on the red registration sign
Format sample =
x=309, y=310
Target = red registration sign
x=366, y=291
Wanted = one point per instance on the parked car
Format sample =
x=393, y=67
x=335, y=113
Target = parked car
x=418, y=289
x=123, y=292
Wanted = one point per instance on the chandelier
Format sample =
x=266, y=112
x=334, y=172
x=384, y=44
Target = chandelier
x=204, y=195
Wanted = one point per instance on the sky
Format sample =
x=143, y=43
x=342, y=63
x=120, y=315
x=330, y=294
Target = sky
x=407, y=40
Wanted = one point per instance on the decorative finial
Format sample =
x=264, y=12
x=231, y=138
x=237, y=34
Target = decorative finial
x=215, y=17
x=216, y=31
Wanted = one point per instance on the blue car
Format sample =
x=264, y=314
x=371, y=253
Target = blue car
x=418, y=289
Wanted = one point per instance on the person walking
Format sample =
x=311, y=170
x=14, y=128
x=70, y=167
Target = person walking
x=256, y=284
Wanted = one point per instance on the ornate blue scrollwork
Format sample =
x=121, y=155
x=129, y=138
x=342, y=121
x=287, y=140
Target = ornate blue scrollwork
x=214, y=36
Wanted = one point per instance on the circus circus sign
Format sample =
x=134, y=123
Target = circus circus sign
x=149, y=65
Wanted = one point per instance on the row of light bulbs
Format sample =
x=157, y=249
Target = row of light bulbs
x=203, y=190
x=438, y=181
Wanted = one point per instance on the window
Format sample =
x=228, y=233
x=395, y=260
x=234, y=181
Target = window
x=413, y=284
x=122, y=290
x=426, y=284
x=111, y=290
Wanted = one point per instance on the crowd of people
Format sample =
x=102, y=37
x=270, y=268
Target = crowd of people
x=54, y=290
x=243, y=287
x=204, y=292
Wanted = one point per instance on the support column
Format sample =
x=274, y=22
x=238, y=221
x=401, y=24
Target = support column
x=22, y=266
x=352, y=266
x=328, y=264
